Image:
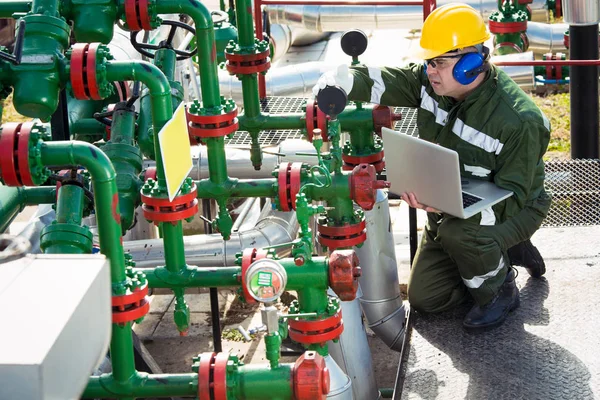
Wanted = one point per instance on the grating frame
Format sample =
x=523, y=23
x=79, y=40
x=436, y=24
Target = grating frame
x=574, y=186
x=272, y=105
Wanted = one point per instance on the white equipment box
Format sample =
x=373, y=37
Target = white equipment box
x=55, y=324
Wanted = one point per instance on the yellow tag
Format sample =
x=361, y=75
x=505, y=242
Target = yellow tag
x=175, y=151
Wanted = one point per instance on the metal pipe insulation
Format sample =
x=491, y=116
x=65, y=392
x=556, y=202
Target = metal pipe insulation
x=381, y=302
x=336, y=18
x=352, y=352
x=274, y=227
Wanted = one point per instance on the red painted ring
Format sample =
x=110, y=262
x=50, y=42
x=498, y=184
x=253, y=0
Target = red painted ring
x=8, y=142
x=23, y=154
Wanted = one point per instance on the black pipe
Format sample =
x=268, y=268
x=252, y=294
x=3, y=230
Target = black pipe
x=583, y=41
x=215, y=316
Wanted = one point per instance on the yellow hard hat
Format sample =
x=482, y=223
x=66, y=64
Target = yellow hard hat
x=451, y=27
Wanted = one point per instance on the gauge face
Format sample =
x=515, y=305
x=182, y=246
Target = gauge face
x=266, y=280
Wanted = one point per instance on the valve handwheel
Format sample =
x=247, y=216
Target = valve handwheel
x=143, y=48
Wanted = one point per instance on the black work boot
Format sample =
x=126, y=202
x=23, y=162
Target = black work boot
x=525, y=254
x=493, y=314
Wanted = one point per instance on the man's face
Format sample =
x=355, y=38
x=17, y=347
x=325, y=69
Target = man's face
x=439, y=72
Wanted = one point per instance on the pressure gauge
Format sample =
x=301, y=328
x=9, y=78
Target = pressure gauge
x=266, y=280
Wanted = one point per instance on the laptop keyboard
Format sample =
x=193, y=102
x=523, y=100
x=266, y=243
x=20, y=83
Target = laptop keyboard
x=469, y=199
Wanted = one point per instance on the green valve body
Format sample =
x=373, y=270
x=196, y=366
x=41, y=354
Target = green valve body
x=40, y=76
x=93, y=20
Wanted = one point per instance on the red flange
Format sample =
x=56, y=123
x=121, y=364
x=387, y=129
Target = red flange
x=384, y=117
x=376, y=159
x=288, y=180
x=83, y=71
x=248, y=257
x=14, y=154
x=137, y=15
x=210, y=126
x=160, y=209
x=212, y=376
x=245, y=64
x=129, y=307
x=311, y=379
x=316, y=331
x=344, y=273
x=334, y=237
x=315, y=118
x=507, y=27
x=364, y=185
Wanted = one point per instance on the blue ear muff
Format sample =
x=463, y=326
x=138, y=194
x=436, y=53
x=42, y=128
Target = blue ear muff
x=469, y=67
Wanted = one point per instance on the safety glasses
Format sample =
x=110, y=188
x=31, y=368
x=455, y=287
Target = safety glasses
x=442, y=61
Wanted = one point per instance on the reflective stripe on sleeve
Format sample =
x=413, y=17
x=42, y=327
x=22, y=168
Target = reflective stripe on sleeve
x=378, y=86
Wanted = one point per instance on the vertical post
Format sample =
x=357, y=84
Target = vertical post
x=584, y=92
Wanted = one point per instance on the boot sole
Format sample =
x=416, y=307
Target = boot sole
x=495, y=324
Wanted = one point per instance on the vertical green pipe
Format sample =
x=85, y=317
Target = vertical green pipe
x=70, y=205
x=217, y=160
x=8, y=8
x=109, y=229
x=46, y=7
x=205, y=39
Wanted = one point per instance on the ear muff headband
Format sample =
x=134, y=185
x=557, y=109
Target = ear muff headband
x=470, y=66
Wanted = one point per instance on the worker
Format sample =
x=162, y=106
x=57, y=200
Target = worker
x=470, y=106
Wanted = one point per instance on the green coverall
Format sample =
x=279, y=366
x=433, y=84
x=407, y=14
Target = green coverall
x=500, y=135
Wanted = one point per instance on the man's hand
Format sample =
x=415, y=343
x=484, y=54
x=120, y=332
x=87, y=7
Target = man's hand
x=411, y=200
x=340, y=76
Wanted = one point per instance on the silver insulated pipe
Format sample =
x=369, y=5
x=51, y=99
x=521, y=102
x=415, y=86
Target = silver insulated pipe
x=273, y=227
x=381, y=302
x=352, y=352
x=341, y=18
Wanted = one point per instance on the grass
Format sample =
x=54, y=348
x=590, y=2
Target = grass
x=556, y=106
x=557, y=110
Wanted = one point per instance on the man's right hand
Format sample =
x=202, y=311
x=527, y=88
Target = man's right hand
x=340, y=76
x=411, y=200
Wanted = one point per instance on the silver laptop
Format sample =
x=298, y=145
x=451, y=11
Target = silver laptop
x=432, y=173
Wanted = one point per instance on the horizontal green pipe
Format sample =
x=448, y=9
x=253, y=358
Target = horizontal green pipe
x=88, y=126
x=8, y=8
x=160, y=277
x=260, y=382
x=312, y=274
x=272, y=121
x=145, y=385
x=236, y=188
x=14, y=199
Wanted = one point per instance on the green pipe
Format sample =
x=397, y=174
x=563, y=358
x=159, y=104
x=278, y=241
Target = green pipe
x=39, y=195
x=205, y=39
x=145, y=385
x=10, y=7
x=66, y=235
x=109, y=230
x=161, y=277
x=12, y=202
x=235, y=188
x=14, y=199
x=313, y=274
x=258, y=382
x=46, y=7
x=87, y=127
x=160, y=97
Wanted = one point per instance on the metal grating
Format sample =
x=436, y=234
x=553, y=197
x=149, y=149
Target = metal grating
x=272, y=105
x=408, y=123
x=575, y=189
